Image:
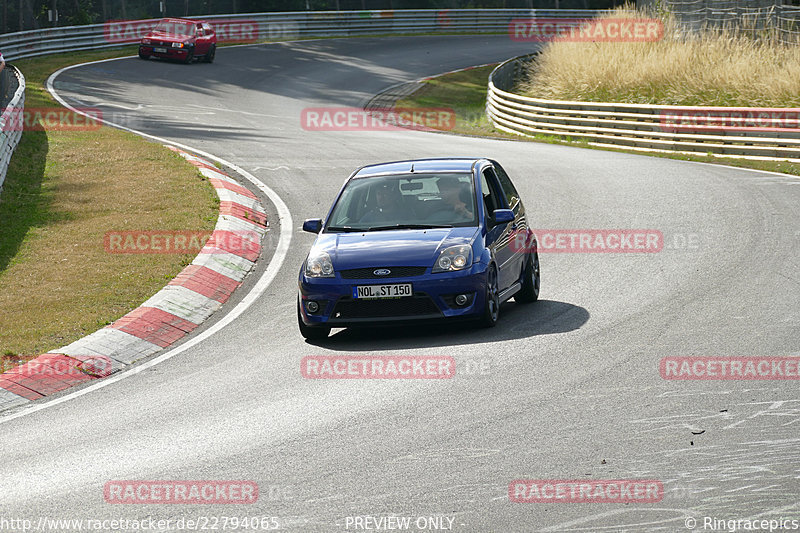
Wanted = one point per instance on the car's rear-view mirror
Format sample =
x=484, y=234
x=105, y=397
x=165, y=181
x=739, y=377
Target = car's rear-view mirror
x=502, y=216
x=312, y=225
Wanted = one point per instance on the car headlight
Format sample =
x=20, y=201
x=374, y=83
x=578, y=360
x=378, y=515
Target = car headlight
x=319, y=265
x=454, y=258
x=145, y=41
x=178, y=45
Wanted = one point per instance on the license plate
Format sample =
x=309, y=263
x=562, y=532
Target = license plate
x=160, y=50
x=396, y=290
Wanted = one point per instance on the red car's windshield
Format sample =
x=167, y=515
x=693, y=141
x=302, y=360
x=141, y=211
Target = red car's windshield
x=174, y=27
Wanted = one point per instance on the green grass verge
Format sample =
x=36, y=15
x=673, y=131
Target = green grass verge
x=465, y=93
x=64, y=190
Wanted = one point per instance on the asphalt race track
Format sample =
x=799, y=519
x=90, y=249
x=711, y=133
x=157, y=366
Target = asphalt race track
x=569, y=387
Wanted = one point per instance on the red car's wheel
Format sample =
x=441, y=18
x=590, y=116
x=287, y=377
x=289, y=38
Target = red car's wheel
x=212, y=51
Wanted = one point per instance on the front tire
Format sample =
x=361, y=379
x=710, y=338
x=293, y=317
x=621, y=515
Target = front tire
x=189, y=56
x=491, y=306
x=311, y=333
x=212, y=51
x=532, y=280
x=143, y=56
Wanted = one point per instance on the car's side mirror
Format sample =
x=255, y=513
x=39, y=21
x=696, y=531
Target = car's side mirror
x=312, y=225
x=502, y=216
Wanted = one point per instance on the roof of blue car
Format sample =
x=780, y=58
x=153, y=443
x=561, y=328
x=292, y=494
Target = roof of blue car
x=420, y=166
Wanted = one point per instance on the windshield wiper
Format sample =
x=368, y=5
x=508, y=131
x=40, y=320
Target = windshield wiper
x=344, y=228
x=409, y=226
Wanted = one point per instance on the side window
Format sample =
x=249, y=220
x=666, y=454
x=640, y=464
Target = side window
x=199, y=30
x=512, y=196
x=491, y=199
x=208, y=29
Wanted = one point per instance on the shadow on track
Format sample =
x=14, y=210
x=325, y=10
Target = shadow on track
x=517, y=321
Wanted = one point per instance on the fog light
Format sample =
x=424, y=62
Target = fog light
x=461, y=299
x=312, y=306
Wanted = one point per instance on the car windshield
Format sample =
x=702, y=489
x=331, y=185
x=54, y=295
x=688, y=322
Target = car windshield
x=405, y=202
x=175, y=27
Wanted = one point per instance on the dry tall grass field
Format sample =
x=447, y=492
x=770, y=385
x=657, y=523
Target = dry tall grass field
x=717, y=67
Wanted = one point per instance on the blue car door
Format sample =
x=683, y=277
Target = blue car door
x=520, y=224
x=498, y=236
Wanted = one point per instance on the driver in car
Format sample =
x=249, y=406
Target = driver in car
x=457, y=205
x=388, y=205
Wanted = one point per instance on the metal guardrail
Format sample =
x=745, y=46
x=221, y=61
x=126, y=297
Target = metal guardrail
x=643, y=127
x=285, y=26
x=10, y=126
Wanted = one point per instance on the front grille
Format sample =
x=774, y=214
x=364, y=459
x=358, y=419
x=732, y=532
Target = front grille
x=412, y=306
x=369, y=273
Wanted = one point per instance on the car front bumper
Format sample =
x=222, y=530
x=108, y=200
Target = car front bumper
x=433, y=298
x=170, y=53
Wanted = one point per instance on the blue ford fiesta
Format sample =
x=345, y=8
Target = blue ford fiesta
x=418, y=241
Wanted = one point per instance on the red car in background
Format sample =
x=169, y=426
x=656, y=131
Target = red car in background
x=180, y=39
